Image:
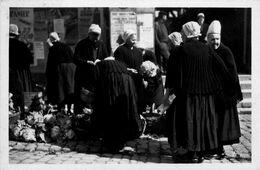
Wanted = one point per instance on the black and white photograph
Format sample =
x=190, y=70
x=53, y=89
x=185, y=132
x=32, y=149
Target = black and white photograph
x=134, y=85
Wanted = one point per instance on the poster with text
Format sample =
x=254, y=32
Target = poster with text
x=145, y=31
x=24, y=19
x=120, y=21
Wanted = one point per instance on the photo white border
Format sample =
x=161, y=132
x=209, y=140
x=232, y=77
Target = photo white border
x=4, y=26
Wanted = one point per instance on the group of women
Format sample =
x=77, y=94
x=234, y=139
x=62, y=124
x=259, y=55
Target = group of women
x=197, y=76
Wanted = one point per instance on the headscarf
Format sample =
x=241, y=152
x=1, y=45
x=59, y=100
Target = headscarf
x=127, y=34
x=94, y=28
x=200, y=15
x=214, y=28
x=13, y=29
x=175, y=38
x=191, y=29
x=54, y=36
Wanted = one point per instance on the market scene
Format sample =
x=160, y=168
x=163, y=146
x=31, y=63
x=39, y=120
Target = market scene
x=129, y=85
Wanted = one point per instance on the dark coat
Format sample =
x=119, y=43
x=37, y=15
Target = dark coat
x=20, y=78
x=228, y=121
x=85, y=72
x=115, y=115
x=132, y=58
x=20, y=58
x=161, y=41
x=60, y=71
x=232, y=90
x=196, y=63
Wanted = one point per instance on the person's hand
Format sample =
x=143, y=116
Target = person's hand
x=48, y=41
x=132, y=70
x=162, y=108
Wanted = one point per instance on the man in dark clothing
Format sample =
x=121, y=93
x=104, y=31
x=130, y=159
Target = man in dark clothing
x=161, y=41
x=87, y=52
x=228, y=121
x=203, y=27
x=60, y=72
x=20, y=58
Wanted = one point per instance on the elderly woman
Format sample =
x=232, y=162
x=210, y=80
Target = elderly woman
x=195, y=86
x=228, y=121
x=115, y=117
x=60, y=71
x=131, y=56
x=87, y=52
x=172, y=70
x=20, y=58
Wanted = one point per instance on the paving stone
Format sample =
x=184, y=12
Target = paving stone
x=54, y=162
x=14, y=161
x=66, y=149
x=30, y=147
x=133, y=161
x=19, y=146
x=69, y=162
x=78, y=155
x=43, y=148
x=28, y=161
x=243, y=156
x=84, y=162
x=238, y=148
x=55, y=148
x=12, y=143
x=90, y=156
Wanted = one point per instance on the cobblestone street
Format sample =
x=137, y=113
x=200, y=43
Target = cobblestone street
x=148, y=150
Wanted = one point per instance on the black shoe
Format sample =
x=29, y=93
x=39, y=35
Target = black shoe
x=209, y=156
x=199, y=159
x=221, y=155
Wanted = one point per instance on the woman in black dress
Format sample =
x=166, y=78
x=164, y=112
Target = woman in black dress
x=60, y=72
x=20, y=58
x=131, y=56
x=115, y=117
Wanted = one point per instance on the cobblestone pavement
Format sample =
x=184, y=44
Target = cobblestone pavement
x=148, y=150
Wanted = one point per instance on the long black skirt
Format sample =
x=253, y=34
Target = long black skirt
x=194, y=123
x=228, y=126
x=60, y=85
